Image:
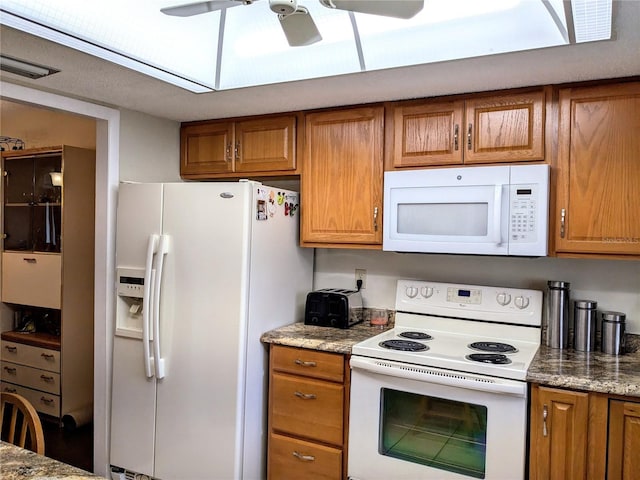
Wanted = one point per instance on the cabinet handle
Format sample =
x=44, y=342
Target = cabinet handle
x=545, y=414
x=563, y=215
x=11, y=348
x=10, y=370
x=469, y=130
x=228, y=152
x=375, y=219
x=303, y=457
x=236, y=151
x=456, y=131
x=10, y=390
x=305, y=396
x=46, y=378
x=30, y=260
x=302, y=363
x=46, y=401
x=46, y=356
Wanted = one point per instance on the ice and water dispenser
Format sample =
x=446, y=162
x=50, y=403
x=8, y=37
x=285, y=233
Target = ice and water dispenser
x=130, y=289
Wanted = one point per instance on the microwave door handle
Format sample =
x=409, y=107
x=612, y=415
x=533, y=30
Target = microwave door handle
x=497, y=215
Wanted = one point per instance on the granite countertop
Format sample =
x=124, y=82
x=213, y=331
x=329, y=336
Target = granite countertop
x=326, y=339
x=593, y=372
x=19, y=464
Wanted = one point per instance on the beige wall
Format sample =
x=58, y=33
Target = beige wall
x=40, y=127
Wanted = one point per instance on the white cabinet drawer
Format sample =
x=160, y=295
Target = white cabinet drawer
x=31, y=377
x=43, y=402
x=31, y=356
x=31, y=279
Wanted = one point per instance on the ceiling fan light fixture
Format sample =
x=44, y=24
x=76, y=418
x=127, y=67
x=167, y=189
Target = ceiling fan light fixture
x=299, y=28
x=24, y=68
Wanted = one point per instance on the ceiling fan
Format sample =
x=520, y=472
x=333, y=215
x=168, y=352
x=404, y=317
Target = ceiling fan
x=295, y=20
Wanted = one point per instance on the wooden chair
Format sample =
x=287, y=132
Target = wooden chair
x=20, y=423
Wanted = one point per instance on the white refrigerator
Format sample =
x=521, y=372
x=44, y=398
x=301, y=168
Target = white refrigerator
x=203, y=270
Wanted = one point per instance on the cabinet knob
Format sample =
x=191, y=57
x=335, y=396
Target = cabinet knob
x=563, y=215
x=47, y=356
x=11, y=348
x=302, y=363
x=545, y=414
x=10, y=370
x=375, y=219
x=456, y=131
x=46, y=401
x=46, y=378
x=469, y=130
x=305, y=396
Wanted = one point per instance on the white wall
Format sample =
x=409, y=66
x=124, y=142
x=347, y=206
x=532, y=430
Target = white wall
x=614, y=284
x=149, y=148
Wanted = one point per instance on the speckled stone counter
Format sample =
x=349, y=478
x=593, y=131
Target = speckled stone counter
x=325, y=339
x=20, y=464
x=593, y=372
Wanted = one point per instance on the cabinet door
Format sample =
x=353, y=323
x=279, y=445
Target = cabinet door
x=264, y=145
x=558, y=434
x=206, y=148
x=505, y=128
x=428, y=134
x=624, y=440
x=598, y=189
x=341, y=181
x=32, y=279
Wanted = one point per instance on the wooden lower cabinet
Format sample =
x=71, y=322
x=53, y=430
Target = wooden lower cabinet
x=308, y=414
x=582, y=435
x=624, y=440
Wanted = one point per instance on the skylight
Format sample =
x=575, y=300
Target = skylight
x=245, y=45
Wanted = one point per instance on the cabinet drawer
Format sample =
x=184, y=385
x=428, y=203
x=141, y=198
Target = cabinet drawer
x=31, y=279
x=294, y=459
x=31, y=377
x=31, y=356
x=41, y=401
x=311, y=363
x=307, y=408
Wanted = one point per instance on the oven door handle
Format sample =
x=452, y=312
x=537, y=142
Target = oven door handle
x=439, y=376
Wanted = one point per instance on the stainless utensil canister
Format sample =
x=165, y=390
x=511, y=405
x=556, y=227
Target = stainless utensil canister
x=584, y=325
x=557, y=314
x=613, y=332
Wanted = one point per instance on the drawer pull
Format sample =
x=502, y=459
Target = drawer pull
x=305, y=396
x=46, y=401
x=11, y=348
x=10, y=370
x=10, y=390
x=47, y=356
x=545, y=414
x=304, y=458
x=302, y=363
x=46, y=378
x=30, y=260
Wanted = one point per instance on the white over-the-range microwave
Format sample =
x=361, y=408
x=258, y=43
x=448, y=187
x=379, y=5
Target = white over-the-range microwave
x=494, y=210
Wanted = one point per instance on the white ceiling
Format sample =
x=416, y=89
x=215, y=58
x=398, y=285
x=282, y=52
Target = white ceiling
x=89, y=78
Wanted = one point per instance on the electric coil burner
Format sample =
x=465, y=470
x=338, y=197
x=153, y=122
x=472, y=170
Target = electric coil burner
x=493, y=347
x=404, y=345
x=492, y=358
x=415, y=335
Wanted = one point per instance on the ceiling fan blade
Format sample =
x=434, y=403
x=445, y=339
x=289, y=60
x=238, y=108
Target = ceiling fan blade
x=201, y=7
x=387, y=8
x=299, y=28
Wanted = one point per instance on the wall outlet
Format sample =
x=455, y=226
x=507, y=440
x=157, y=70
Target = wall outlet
x=361, y=274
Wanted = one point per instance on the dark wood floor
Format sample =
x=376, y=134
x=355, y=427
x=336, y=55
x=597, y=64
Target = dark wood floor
x=74, y=447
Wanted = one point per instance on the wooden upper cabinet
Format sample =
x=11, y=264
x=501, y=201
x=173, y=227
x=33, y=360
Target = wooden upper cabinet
x=559, y=427
x=598, y=171
x=206, y=148
x=257, y=146
x=486, y=129
x=341, y=180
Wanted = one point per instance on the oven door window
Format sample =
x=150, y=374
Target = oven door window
x=444, y=434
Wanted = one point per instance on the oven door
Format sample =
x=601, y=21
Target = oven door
x=447, y=211
x=409, y=422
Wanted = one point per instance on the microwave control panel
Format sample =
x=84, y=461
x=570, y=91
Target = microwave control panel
x=524, y=215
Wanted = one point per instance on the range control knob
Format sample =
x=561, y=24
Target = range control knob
x=503, y=298
x=426, y=292
x=521, y=302
x=412, y=292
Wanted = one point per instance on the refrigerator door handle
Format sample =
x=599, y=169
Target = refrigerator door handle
x=149, y=280
x=163, y=249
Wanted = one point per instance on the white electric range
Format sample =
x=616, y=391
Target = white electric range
x=448, y=384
